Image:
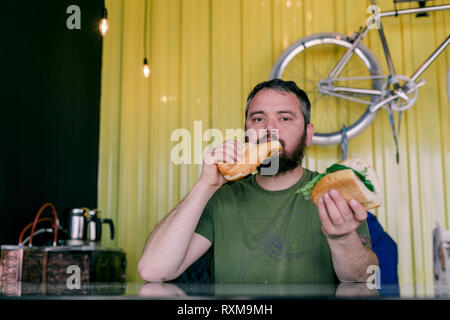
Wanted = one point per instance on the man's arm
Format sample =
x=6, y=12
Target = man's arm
x=350, y=251
x=351, y=258
x=173, y=246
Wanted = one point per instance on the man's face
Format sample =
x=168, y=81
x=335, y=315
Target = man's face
x=277, y=115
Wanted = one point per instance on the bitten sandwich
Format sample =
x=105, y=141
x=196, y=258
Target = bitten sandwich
x=353, y=178
x=254, y=156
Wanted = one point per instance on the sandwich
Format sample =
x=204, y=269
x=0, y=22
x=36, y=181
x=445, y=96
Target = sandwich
x=254, y=156
x=353, y=178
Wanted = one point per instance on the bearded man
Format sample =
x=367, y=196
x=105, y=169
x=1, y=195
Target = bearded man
x=261, y=230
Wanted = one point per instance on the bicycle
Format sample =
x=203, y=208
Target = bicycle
x=353, y=78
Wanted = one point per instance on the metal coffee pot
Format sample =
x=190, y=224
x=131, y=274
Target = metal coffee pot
x=95, y=226
x=85, y=227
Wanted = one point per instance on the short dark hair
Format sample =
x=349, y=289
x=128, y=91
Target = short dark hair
x=283, y=86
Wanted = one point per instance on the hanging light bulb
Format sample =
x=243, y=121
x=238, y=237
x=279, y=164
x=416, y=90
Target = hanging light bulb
x=146, y=68
x=104, y=22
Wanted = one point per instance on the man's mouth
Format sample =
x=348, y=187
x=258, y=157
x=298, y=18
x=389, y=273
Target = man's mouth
x=264, y=140
x=269, y=139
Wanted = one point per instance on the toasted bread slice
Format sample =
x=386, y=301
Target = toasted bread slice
x=254, y=155
x=350, y=186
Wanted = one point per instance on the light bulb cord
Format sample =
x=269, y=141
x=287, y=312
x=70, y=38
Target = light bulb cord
x=145, y=30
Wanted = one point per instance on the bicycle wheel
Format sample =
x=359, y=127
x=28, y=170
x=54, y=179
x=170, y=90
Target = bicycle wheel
x=310, y=60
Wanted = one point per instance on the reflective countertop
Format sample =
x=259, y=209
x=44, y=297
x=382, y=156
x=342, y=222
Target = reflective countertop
x=130, y=291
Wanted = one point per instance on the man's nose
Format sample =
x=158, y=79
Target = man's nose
x=271, y=125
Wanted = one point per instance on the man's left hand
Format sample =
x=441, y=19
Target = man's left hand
x=339, y=217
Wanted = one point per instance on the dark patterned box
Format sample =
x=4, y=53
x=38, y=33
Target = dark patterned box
x=60, y=270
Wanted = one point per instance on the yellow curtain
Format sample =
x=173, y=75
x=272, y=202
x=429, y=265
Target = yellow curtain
x=205, y=57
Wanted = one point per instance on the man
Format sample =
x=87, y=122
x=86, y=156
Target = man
x=262, y=231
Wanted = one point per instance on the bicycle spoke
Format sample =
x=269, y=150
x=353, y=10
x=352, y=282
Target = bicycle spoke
x=323, y=115
x=304, y=71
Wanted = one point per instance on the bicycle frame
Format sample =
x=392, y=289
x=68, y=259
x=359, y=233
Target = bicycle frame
x=399, y=93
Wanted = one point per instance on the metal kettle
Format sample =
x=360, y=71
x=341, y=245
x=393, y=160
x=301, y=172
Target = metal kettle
x=95, y=225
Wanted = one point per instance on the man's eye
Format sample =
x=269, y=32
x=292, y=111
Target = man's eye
x=285, y=118
x=257, y=119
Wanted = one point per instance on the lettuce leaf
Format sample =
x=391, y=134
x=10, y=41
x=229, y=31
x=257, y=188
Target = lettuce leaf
x=307, y=188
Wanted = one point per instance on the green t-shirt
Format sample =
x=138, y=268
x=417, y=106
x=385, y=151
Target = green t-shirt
x=264, y=237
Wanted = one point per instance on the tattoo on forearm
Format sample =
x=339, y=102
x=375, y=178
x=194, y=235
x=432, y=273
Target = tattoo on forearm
x=365, y=240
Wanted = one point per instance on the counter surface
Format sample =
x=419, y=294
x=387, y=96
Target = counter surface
x=130, y=291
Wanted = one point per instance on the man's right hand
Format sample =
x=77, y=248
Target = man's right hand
x=229, y=151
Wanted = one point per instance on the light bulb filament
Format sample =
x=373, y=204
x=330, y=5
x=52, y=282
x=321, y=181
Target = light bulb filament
x=104, y=26
x=146, y=70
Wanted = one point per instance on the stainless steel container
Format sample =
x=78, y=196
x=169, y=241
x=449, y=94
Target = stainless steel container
x=77, y=227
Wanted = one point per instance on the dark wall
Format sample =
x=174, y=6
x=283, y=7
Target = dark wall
x=49, y=109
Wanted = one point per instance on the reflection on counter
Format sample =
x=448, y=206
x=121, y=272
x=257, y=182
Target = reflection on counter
x=349, y=290
x=275, y=291
x=52, y=290
x=131, y=291
x=161, y=290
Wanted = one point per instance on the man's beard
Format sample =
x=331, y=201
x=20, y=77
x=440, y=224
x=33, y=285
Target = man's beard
x=287, y=161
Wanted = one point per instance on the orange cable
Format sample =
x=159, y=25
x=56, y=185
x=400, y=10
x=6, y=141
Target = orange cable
x=29, y=226
x=55, y=216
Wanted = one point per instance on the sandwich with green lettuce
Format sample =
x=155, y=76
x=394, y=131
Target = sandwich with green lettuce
x=353, y=178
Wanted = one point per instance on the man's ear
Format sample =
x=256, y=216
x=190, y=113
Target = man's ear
x=309, y=133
